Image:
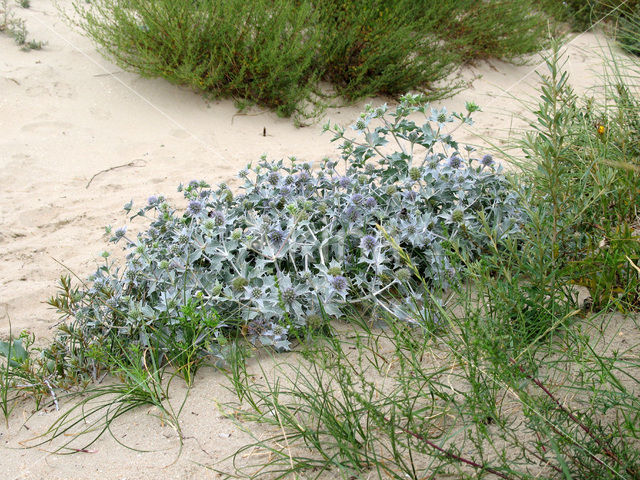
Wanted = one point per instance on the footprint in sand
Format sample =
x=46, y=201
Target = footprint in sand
x=178, y=133
x=46, y=127
x=100, y=113
x=56, y=89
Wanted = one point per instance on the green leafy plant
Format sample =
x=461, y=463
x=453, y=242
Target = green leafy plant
x=587, y=152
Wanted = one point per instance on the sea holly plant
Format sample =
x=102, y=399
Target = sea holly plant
x=297, y=243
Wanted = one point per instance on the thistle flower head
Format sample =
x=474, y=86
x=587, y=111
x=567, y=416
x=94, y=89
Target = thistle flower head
x=339, y=283
x=368, y=243
x=370, y=203
x=239, y=283
x=278, y=331
x=255, y=292
x=285, y=191
x=357, y=198
x=195, y=207
x=403, y=274
x=344, y=182
x=303, y=177
x=455, y=161
x=273, y=178
x=351, y=214
x=288, y=295
x=183, y=236
x=120, y=232
x=360, y=124
x=487, y=161
x=236, y=234
x=277, y=236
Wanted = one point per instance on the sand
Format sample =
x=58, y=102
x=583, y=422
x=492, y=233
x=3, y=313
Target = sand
x=79, y=138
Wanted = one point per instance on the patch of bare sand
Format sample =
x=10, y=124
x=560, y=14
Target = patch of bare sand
x=68, y=117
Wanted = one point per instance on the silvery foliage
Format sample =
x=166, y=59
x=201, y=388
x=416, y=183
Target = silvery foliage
x=297, y=242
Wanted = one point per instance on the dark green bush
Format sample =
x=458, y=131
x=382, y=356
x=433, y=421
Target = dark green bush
x=628, y=33
x=274, y=52
x=582, y=14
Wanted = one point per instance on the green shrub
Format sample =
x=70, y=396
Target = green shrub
x=274, y=52
x=583, y=14
x=376, y=47
x=478, y=30
x=583, y=170
x=261, y=50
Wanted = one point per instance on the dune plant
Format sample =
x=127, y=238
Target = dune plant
x=521, y=383
x=25, y=372
x=390, y=402
x=294, y=242
x=582, y=15
x=274, y=52
x=140, y=380
x=588, y=152
x=14, y=26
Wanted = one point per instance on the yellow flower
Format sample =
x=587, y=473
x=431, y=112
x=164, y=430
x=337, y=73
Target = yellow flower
x=601, y=129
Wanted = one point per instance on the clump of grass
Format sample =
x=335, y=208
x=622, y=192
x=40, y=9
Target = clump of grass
x=141, y=380
x=390, y=402
x=27, y=372
x=274, y=52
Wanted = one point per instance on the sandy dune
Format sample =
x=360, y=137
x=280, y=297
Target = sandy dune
x=67, y=114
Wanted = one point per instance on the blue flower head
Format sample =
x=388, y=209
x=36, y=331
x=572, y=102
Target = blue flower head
x=344, y=182
x=120, y=232
x=487, y=161
x=339, y=283
x=370, y=203
x=195, y=207
x=368, y=243
x=277, y=236
x=357, y=198
x=273, y=178
x=351, y=214
x=455, y=161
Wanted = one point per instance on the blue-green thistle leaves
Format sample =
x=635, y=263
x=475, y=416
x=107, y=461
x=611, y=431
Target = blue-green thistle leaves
x=295, y=241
